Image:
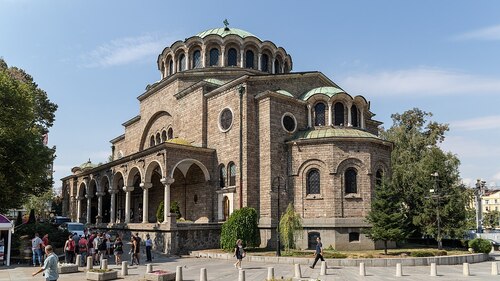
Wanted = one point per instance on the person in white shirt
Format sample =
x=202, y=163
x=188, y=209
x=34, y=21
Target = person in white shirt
x=36, y=247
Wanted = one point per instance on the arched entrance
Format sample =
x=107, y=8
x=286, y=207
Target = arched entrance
x=118, y=184
x=93, y=202
x=134, y=179
x=155, y=191
x=106, y=200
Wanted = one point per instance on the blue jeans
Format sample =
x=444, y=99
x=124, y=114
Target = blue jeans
x=37, y=252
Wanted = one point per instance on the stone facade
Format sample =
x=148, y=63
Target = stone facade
x=227, y=126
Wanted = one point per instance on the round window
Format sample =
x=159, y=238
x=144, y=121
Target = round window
x=288, y=122
x=225, y=119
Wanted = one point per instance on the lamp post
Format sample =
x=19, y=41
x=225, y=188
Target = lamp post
x=478, y=192
x=277, y=182
x=436, y=190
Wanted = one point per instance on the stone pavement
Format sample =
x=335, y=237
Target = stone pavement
x=224, y=270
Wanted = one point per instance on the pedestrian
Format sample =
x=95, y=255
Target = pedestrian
x=318, y=253
x=49, y=267
x=45, y=242
x=239, y=253
x=149, y=245
x=109, y=245
x=118, y=249
x=36, y=248
x=102, y=246
x=83, y=248
x=90, y=247
x=137, y=247
x=132, y=250
x=76, y=238
x=69, y=249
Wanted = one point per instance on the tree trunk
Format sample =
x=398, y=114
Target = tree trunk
x=385, y=247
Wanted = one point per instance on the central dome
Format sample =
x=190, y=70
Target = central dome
x=222, y=32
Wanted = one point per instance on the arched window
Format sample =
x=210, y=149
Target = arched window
x=232, y=57
x=354, y=115
x=163, y=136
x=378, y=177
x=182, y=63
x=351, y=185
x=249, y=59
x=222, y=176
x=319, y=114
x=170, y=134
x=158, y=138
x=197, y=59
x=214, y=57
x=313, y=182
x=285, y=68
x=338, y=108
x=232, y=174
x=152, y=141
x=170, y=67
x=264, y=63
x=277, y=67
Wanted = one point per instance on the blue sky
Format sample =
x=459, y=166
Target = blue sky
x=94, y=58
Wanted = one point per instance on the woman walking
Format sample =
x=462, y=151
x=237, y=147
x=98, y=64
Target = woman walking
x=239, y=253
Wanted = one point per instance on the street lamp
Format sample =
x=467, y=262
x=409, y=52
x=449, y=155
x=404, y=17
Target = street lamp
x=436, y=190
x=278, y=182
x=478, y=192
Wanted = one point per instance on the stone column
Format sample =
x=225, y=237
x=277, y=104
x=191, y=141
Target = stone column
x=145, y=200
x=273, y=70
x=166, y=211
x=349, y=115
x=222, y=55
x=203, y=56
x=309, y=116
x=362, y=119
x=99, y=207
x=330, y=114
x=128, y=190
x=259, y=61
x=79, y=209
x=89, y=206
x=242, y=58
x=112, y=214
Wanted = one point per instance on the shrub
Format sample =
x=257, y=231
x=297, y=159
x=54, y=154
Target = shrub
x=480, y=245
x=290, y=228
x=174, y=209
x=420, y=254
x=242, y=224
x=334, y=255
x=57, y=237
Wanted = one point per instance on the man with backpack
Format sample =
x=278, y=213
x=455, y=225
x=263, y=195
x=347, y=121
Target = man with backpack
x=69, y=249
x=83, y=248
x=90, y=247
x=102, y=246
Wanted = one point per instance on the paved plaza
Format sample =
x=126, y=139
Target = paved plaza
x=224, y=270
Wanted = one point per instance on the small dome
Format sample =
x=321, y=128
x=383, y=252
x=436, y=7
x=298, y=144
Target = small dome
x=87, y=165
x=329, y=91
x=285, y=93
x=330, y=132
x=223, y=32
x=179, y=141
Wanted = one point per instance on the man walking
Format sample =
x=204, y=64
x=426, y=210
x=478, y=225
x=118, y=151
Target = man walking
x=49, y=266
x=319, y=252
x=149, y=245
x=36, y=247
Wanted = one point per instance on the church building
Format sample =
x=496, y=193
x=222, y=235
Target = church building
x=230, y=125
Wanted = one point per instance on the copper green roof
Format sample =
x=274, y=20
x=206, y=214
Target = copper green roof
x=329, y=91
x=87, y=165
x=222, y=32
x=286, y=93
x=179, y=141
x=332, y=132
x=214, y=81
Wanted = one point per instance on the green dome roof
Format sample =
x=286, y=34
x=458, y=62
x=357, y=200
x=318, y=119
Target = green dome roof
x=329, y=91
x=332, y=132
x=285, y=93
x=222, y=32
x=88, y=165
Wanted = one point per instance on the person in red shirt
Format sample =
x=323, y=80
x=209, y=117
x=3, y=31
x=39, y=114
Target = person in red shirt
x=45, y=243
x=83, y=247
x=69, y=249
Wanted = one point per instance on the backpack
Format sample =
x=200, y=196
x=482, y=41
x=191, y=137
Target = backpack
x=71, y=245
x=101, y=244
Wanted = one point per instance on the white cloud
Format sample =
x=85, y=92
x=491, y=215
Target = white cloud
x=496, y=177
x=466, y=147
x=481, y=123
x=124, y=51
x=487, y=33
x=420, y=82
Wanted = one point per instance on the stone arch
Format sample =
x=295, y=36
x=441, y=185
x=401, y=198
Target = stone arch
x=105, y=186
x=102, y=184
x=82, y=189
x=152, y=167
x=185, y=164
x=315, y=162
x=352, y=162
x=310, y=165
x=117, y=186
x=132, y=176
x=151, y=121
x=116, y=181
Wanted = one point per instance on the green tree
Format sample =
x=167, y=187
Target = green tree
x=40, y=204
x=290, y=228
x=491, y=218
x=174, y=209
x=416, y=155
x=387, y=217
x=242, y=224
x=26, y=115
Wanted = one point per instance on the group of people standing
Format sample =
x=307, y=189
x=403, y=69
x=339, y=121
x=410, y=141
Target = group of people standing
x=38, y=248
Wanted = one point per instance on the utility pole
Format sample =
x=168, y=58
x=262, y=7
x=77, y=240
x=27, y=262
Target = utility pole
x=478, y=192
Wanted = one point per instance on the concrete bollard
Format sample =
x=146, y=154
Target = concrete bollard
x=494, y=268
x=362, y=270
x=203, y=274
x=466, y=270
x=433, y=269
x=399, y=270
x=78, y=260
x=104, y=264
x=241, y=275
x=298, y=273
x=124, y=268
x=149, y=268
x=90, y=263
x=323, y=268
x=178, y=273
x=270, y=273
